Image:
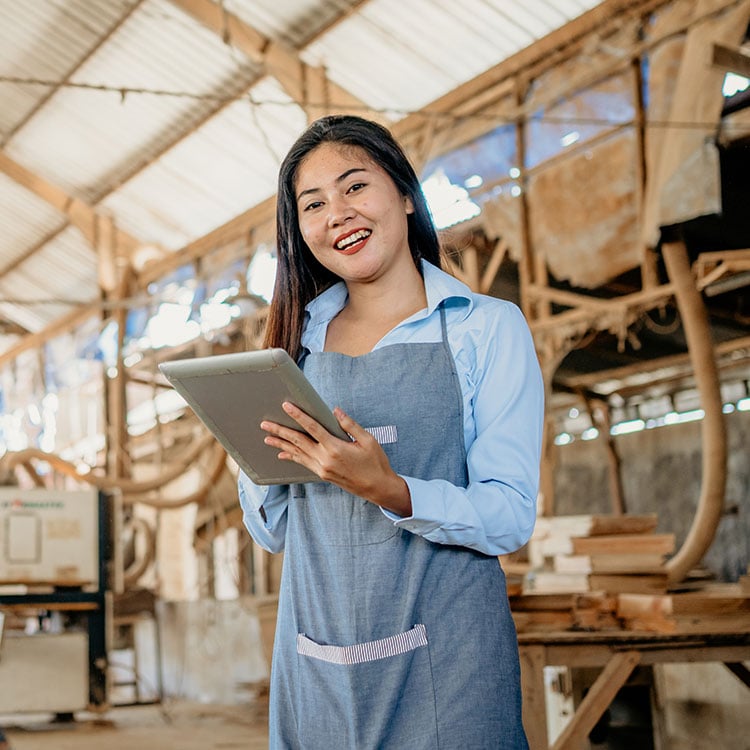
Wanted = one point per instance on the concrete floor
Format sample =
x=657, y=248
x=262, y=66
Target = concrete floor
x=179, y=725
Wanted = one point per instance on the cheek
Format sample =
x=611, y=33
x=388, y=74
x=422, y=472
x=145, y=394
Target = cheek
x=308, y=231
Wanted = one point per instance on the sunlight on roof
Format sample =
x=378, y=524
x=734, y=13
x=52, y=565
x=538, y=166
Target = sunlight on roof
x=449, y=204
x=171, y=326
x=734, y=83
x=261, y=273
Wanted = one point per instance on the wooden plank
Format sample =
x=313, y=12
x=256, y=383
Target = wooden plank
x=638, y=605
x=691, y=624
x=731, y=59
x=669, y=651
x=624, y=543
x=596, y=524
x=623, y=562
x=532, y=660
x=535, y=602
x=597, y=700
x=229, y=27
x=80, y=214
x=637, y=584
x=549, y=621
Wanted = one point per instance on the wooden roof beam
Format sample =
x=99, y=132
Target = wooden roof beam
x=278, y=59
x=78, y=212
x=731, y=59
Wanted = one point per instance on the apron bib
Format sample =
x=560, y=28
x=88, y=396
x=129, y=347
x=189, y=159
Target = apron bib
x=385, y=639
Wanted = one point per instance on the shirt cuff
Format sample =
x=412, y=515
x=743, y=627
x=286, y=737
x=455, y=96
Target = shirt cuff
x=416, y=522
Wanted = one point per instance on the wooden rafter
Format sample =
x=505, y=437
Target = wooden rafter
x=79, y=213
x=278, y=59
x=495, y=83
x=731, y=59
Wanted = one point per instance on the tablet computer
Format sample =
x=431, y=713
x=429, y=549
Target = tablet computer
x=233, y=393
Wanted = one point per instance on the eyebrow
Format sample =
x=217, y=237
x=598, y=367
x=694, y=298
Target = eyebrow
x=339, y=179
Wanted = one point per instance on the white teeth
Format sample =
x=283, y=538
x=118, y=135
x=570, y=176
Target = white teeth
x=352, y=238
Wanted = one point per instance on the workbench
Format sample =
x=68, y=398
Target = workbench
x=617, y=653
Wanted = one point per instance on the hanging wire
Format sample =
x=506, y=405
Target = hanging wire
x=124, y=91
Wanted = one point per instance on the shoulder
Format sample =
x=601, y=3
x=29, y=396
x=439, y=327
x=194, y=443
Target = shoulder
x=489, y=336
x=464, y=306
x=483, y=317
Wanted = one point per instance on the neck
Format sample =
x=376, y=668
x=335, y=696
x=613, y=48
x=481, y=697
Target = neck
x=396, y=296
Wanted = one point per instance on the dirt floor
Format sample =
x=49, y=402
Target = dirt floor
x=178, y=725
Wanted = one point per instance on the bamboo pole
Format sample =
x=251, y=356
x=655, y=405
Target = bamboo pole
x=713, y=430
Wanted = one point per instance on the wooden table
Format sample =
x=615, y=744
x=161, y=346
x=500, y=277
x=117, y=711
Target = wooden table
x=617, y=653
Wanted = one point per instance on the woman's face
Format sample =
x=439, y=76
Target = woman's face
x=351, y=214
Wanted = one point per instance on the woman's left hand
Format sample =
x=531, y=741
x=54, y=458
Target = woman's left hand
x=360, y=467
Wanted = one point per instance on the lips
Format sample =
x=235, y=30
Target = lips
x=352, y=242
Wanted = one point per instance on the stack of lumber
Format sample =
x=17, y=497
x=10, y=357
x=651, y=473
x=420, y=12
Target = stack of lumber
x=598, y=553
x=600, y=572
x=718, y=608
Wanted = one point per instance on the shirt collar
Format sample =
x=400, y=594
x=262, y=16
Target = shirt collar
x=440, y=287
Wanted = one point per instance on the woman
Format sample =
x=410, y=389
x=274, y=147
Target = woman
x=394, y=629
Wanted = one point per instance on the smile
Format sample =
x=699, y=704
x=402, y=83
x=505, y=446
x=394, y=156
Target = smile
x=348, y=242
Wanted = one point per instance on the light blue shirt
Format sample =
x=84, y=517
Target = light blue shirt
x=503, y=408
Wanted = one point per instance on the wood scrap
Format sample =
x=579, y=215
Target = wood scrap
x=622, y=562
x=721, y=608
x=662, y=544
x=640, y=584
x=553, y=535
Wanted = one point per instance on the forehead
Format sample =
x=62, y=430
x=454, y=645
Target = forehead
x=330, y=160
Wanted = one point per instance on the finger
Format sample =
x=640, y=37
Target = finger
x=348, y=425
x=306, y=422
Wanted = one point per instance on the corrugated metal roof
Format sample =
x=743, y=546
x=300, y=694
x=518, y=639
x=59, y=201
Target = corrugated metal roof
x=196, y=137
x=46, y=39
x=221, y=170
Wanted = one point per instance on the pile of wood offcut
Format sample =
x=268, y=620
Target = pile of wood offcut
x=606, y=572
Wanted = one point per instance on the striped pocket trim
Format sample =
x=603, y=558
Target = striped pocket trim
x=364, y=652
x=384, y=435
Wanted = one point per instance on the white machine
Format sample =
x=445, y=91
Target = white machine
x=49, y=538
x=53, y=575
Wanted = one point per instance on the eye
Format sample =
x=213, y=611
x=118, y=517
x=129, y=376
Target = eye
x=355, y=187
x=312, y=205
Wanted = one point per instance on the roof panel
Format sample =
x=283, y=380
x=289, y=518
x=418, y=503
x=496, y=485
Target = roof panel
x=160, y=123
x=25, y=221
x=83, y=139
x=456, y=44
x=44, y=40
x=63, y=274
x=221, y=170
x=292, y=21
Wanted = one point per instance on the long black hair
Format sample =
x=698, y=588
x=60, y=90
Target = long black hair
x=299, y=276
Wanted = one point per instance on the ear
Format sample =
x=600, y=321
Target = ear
x=408, y=205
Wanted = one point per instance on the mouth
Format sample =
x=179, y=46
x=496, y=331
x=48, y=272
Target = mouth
x=351, y=243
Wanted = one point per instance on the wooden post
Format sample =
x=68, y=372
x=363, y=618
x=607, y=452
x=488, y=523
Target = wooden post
x=526, y=267
x=534, y=700
x=600, y=418
x=598, y=698
x=713, y=430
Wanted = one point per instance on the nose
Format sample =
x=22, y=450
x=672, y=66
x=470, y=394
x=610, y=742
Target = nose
x=339, y=211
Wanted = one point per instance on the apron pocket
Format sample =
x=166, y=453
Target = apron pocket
x=360, y=653
x=376, y=695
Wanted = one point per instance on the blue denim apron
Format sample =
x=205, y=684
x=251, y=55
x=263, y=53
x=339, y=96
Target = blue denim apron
x=385, y=639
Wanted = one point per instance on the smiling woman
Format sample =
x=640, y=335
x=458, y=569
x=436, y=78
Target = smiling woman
x=394, y=628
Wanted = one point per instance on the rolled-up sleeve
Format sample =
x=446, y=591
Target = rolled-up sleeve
x=495, y=513
x=264, y=512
